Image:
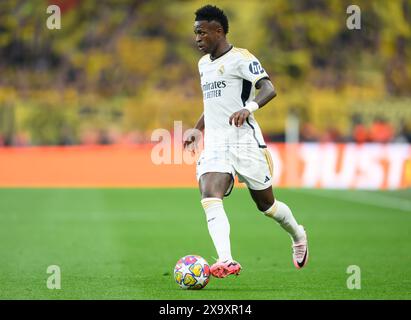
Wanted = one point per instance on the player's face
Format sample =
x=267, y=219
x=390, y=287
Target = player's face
x=207, y=35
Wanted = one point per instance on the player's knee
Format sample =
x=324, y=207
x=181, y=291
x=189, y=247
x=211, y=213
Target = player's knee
x=211, y=194
x=263, y=206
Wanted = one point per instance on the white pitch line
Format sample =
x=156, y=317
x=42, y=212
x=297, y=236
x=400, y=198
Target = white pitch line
x=363, y=197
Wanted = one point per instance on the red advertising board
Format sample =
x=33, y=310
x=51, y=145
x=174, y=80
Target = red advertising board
x=307, y=165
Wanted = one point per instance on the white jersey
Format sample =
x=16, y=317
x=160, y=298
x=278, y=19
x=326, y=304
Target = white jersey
x=228, y=83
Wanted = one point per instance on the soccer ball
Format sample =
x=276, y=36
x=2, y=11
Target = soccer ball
x=192, y=272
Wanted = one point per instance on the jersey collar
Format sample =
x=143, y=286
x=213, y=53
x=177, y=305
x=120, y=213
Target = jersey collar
x=221, y=54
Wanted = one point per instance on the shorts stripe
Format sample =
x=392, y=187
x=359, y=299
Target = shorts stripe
x=269, y=161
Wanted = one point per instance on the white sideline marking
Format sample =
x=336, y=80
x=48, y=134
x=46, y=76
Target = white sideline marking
x=363, y=197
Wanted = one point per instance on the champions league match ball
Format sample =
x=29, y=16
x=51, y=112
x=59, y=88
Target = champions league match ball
x=192, y=272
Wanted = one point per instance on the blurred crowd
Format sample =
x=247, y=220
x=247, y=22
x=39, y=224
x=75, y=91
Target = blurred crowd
x=378, y=131
x=117, y=70
x=88, y=138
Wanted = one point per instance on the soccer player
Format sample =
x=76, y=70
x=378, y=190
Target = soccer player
x=233, y=143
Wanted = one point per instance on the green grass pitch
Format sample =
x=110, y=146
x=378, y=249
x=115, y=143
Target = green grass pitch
x=124, y=243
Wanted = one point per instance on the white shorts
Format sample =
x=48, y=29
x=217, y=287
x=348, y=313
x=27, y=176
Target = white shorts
x=252, y=165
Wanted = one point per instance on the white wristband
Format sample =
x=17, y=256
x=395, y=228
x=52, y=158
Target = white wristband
x=252, y=106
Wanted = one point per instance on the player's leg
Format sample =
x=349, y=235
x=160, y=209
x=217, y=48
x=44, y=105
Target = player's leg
x=214, y=184
x=281, y=213
x=277, y=210
x=213, y=187
x=255, y=168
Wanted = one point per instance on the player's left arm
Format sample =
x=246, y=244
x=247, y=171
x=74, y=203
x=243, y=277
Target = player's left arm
x=265, y=94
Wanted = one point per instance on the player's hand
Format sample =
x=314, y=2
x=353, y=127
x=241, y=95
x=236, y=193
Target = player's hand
x=239, y=117
x=191, y=139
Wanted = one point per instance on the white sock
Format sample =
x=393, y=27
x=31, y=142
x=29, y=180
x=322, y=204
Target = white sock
x=218, y=227
x=281, y=213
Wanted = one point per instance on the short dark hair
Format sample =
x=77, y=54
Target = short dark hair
x=210, y=13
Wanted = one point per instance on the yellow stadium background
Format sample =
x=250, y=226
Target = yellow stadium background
x=117, y=70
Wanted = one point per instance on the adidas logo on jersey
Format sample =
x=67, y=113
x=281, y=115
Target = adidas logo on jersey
x=266, y=179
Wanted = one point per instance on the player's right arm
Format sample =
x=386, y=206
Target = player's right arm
x=193, y=135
